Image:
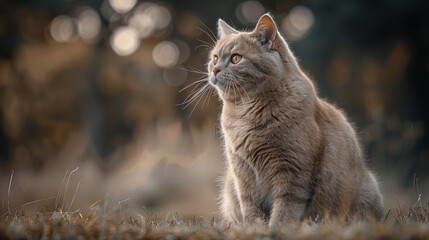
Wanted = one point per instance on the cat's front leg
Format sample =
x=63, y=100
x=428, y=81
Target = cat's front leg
x=250, y=211
x=246, y=189
x=287, y=209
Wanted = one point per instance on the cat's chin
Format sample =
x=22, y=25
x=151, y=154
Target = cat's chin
x=216, y=82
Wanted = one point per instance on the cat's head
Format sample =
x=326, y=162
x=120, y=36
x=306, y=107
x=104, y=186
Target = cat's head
x=245, y=64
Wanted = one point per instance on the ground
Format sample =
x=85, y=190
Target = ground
x=99, y=222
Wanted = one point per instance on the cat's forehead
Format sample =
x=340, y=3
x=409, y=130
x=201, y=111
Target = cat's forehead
x=234, y=42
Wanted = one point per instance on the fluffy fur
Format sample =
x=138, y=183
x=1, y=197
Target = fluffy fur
x=290, y=155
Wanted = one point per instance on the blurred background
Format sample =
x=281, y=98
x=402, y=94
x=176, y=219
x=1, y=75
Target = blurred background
x=91, y=107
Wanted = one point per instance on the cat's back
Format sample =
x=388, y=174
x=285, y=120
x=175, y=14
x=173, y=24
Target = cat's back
x=336, y=127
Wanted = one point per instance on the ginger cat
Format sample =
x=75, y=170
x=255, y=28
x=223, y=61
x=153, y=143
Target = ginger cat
x=290, y=155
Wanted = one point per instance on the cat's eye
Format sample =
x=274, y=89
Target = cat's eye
x=235, y=58
x=215, y=59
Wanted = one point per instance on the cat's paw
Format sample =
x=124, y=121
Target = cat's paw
x=274, y=225
x=255, y=217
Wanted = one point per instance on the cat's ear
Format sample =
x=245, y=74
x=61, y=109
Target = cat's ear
x=224, y=29
x=266, y=31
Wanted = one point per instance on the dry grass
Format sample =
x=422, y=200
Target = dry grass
x=101, y=222
x=127, y=219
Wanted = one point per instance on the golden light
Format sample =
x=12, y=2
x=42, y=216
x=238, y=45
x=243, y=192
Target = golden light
x=108, y=13
x=249, y=11
x=88, y=25
x=297, y=23
x=166, y=54
x=184, y=51
x=149, y=17
x=125, y=41
x=122, y=6
x=142, y=21
x=160, y=15
x=62, y=29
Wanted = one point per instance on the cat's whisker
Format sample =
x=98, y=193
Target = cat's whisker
x=193, y=93
x=192, y=98
x=227, y=89
x=197, y=83
x=240, y=100
x=244, y=90
x=208, y=32
x=193, y=83
x=209, y=29
x=199, y=99
x=193, y=70
x=236, y=83
x=211, y=38
x=205, y=43
x=234, y=88
x=210, y=95
x=206, y=96
x=211, y=91
x=195, y=96
x=208, y=47
x=242, y=87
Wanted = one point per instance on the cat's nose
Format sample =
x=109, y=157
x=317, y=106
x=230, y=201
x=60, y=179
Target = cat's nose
x=215, y=71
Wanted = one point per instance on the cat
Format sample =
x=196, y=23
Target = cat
x=290, y=155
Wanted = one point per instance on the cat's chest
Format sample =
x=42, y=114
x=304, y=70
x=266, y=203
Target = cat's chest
x=240, y=135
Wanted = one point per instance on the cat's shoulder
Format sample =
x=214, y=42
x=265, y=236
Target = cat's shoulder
x=329, y=112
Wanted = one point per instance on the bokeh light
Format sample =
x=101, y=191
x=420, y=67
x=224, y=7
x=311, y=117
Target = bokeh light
x=88, y=25
x=142, y=22
x=184, y=51
x=297, y=23
x=160, y=14
x=125, y=41
x=122, y=6
x=249, y=11
x=149, y=17
x=109, y=13
x=62, y=29
x=166, y=54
